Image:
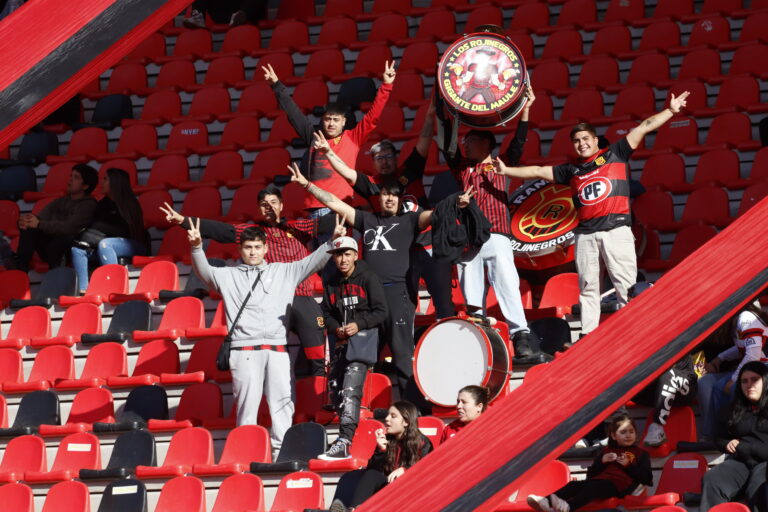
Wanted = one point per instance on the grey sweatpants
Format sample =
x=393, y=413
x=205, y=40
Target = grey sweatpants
x=254, y=371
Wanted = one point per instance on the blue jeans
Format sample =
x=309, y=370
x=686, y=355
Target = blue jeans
x=712, y=397
x=108, y=251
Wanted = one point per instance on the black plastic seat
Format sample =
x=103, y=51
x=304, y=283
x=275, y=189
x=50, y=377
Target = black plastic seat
x=111, y=110
x=302, y=442
x=35, y=409
x=553, y=334
x=355, y=91
x=35, y=146
x=194, y=287
x=127, y=495
x=56, y=282
x=132, y=448
x=143, y=404
x=134, y=315
x=15, y=180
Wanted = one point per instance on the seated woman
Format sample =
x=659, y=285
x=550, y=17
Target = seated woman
x=117, y=231
x=470, y=404
x=716, y=388
x=617, y=470
x=742, y=434
x=397, y=449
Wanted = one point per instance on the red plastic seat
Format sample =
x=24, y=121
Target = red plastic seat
x=712, y=30
x=483, y=15
x=287, y=36
x=188, y=447
x=137, y=140
x=256, y=99
x=159, y=108
x=81, y=318
x=324, y=64
x=91, y=405
x=207, y=104
x=104, y=360
x=185, y=137
x=752, y=195
x=655, y=209
x=202, y=359
x=9, y=217
x=226, y=72
x=15, y=286
x=148, y=50
x=550, y=76
x=202, y=202
x=239, y=41
x=174, y=247
x=730, y=507
x=673, y=8
x=199, y=402
x=748, y=60
x=240, y=492
x=293, y=200
x=245, y=444
x=753, y=29
x=577, y=12
x=243, y=207
x=150, y=202
x=681, y=426
x=552, y=476
x=431, y=427
x=363, y=445
x=298, y=491
x=741, y=92
x=625, y=10
x=76, y=451
x=717, y=167
x=85, y=144
x=155, y=358
x=220, y=168
x=241, y=131
x=343, y=8
x=17, y=497
x=732, y=129
x=679, y=133
x=530, y=16
x=649, y=68
x=127, y=78
x=407, y=89
x=51, y=363
x=185, y=493
x=666, y=171
x=563, y=44
x=191, y=44
x=310, y=95
x=218, y=326
x=560, y=293
x=336, y=32
x=687, y=240
x=179, y=314
x=176, y=74
x=610, y=40
x=659, y=36
x=167, y=171
x=561, y=147
x=158, y=275
x=700, y=64
x=27, y=323
x=68, y=496
x=386, y=28
x=708, y=204
x=419, y=58
x=636, y=101
x=106, y=279
x=295, y=9
x=605, y=67
x=55, y=183
x=22, y=453
x=437, y=25
x=580, y=104
x=11, y=370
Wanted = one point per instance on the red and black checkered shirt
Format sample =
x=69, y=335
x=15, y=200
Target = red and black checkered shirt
x=490, y=192
x=287, y=242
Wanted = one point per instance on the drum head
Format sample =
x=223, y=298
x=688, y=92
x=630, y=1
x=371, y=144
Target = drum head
x=451, y=354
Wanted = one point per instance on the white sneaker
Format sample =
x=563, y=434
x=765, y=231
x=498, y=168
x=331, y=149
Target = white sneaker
x=655, y=435
x=195, y=20
x=581, y=443
x=559, y=504
x=540, y=503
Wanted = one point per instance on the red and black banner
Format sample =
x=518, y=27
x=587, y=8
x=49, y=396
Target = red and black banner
x=49, y=50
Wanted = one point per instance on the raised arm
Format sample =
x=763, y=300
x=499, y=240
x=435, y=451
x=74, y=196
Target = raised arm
x=526, y=172
x=213, y=229
x=635, y=137
x=427, y=129
x=515, y=149
x=321, y=146
x=325, y=197
x=296, y=117
x=463, y=199
x=199, y=262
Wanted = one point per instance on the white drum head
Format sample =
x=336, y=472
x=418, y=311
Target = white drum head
x=451, y=354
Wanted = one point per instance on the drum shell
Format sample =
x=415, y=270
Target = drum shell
x=439, y=374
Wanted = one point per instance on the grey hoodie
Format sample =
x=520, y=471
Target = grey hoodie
x=265, y=318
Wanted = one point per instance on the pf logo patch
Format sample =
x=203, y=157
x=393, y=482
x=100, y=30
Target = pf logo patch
x=594, y=190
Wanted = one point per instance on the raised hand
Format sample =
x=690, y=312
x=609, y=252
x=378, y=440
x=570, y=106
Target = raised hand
x=193, y=233
x=320, y=143
x=530, y=96
x=269, y=73
x=677, y=103
x=381, y=439
x=297, y=176
x=389, y=72
x=171, y=215
x=500, y=167
x=340, y=229
x=464, y=199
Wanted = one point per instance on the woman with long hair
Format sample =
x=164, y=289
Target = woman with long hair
x=470, y=404
x=398, y=447
x=742, y=435
x=716, y=387
x=117, y=231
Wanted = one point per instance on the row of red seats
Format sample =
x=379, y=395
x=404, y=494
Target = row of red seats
x=297, y=491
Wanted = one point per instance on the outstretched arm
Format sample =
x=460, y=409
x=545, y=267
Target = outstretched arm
x=325, y=197
x=321, y=146
x=526, y=172
x=635, y=137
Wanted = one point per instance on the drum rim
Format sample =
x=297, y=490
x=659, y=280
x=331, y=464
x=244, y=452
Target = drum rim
x=461, y=112
x=489, y=350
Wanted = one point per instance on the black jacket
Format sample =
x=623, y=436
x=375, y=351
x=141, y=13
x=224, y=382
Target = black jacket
x=752, y=436
x=360, y=298
x=378, y=460
x=448, y=238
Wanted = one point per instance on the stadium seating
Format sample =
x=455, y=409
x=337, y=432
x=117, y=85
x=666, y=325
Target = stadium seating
x=89, y=406
x=245, y=444
x=77, y=451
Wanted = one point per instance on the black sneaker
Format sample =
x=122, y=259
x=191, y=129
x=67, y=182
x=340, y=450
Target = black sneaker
x=522, y=344
x=338, y=450
x=338, y=506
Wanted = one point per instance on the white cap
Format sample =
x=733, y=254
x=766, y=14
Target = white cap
x=342, y=244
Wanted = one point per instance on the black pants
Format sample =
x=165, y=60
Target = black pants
x=345, y=387
x=357, y=486
x=724, y=482
x=582, y=492
x=437, y=276
x=673, y=388
x=221, y=11
x=53, y=249
x=307, y=322
x=398, y=333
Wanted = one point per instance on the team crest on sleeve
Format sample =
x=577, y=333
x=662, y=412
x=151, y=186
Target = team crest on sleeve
x=594, y=190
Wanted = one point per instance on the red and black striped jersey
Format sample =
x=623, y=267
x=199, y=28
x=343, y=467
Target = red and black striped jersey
x=490, y=192
x=600, y=188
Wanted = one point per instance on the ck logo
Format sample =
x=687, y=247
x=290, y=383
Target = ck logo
x=377, y=236
x=595, y=190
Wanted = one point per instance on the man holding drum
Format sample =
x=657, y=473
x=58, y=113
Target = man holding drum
x=599, y=181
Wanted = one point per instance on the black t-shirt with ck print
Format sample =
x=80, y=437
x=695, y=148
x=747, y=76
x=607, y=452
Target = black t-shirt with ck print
x=386, y=243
